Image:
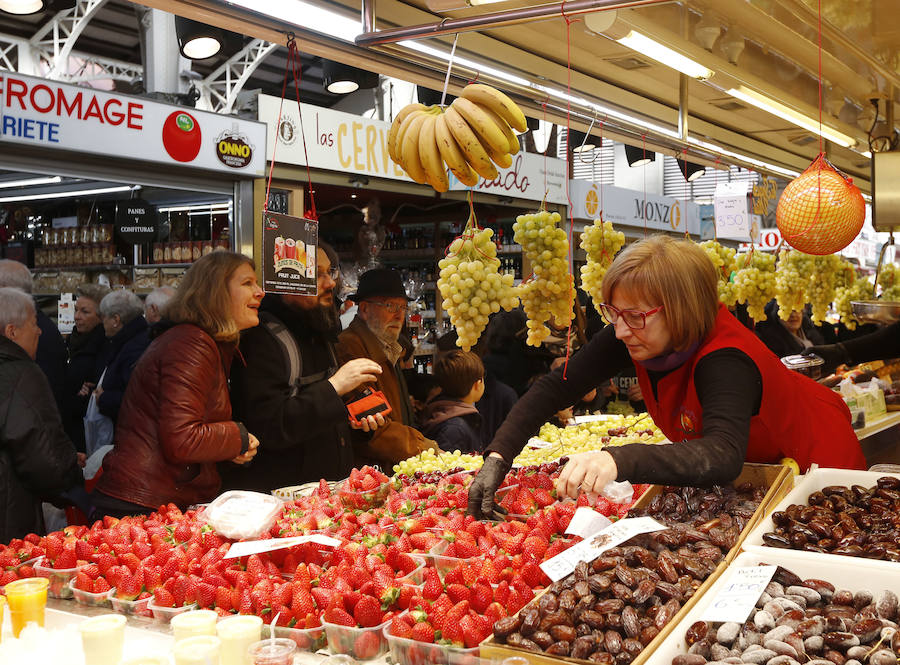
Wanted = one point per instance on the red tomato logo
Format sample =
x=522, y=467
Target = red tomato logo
x=181, y=136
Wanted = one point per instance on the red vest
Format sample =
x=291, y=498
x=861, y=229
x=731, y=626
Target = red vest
x=797, y=418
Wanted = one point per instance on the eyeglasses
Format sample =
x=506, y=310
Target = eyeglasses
x=632, y=317
x=332, y=273
x=391, y=307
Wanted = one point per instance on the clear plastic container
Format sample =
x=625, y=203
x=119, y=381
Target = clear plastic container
x=308, y=640
x=88, y=598
x=811, y=365
x=359, y=643
x=363, y=500
x=411, y=652
x=163, y=615
x=130, y=607
x=59, y=579
x=242, y=515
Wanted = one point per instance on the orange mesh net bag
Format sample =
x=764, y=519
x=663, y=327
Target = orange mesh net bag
x=821, y=211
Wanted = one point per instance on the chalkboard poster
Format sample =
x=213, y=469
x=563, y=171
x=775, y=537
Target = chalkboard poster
x=289, y=254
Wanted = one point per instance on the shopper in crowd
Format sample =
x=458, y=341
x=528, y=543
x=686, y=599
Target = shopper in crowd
x=86, y=346
x=288, y=391
x=373, y=334
x=451, y=418
x=175, y=422
x=787, y=338
x=710, y=385
x=883, y=344
x=507, y=357
x=122, y=312
x=155, y=302
x=37, y=459
x=52, y=354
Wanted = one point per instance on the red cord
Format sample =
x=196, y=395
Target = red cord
x=294, y=60
x=290, y=41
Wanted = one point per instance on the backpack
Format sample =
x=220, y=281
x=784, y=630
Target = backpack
x=293, y=357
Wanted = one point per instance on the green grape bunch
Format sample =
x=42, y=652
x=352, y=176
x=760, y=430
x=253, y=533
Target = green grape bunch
x=860, y=289
x=889, y=281
x=471, y=286
x=792, y=281
x=550, y=293
x=601, y=242
x=723, y=259
x=754, y=282
x=822, y=288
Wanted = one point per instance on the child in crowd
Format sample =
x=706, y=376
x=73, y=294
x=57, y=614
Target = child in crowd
x=451, y=418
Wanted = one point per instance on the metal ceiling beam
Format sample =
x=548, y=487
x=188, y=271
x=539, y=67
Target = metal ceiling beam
x=56, y=38
x=487, y=21
x=220, y=89
x=19, y=55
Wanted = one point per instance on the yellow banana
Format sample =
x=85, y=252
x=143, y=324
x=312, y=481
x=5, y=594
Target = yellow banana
x=401, y=132
x=498, y=102
x=451, y=153
x=505, y=128
x=430, y=156
x=485, y=128
x=395, y=127
x=471, y=147
x=409, y=149
x=501, y=159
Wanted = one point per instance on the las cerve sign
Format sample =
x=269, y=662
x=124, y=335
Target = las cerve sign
x=337, y=141
x=54, y=115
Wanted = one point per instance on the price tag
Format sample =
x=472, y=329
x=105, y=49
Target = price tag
x=594, y=545
x=587, y=521
x=248, y=547
x=739, y=595
x=732, y=216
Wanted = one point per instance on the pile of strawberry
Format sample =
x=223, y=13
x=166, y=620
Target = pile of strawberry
x=365, y=488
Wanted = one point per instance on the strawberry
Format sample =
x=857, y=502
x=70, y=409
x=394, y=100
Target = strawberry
x=7, y=576
x=256, y=567
x=101, y=585
x=458, y=592
x=338, y=616
x=534, y=547
x=206, y=595
x=83, y=550
x=399, y=628
x=223, y=598
x=456, y=613
x=163, y=598
x=127, y=587
x=366, y=646
x=245, y=606
x=368, y=612
x=423, y=632
x=470, y=631
x=482, y=596
x=83, y=581
x=66, y=559
x=532, y=575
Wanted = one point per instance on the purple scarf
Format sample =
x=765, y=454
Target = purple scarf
x=669, y=361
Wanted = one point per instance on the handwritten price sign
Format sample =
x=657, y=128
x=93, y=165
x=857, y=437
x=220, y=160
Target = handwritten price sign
x=732, y=215
x=738, y=597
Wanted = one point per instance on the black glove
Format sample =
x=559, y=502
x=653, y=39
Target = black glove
x=481, y=492
x=832, y=354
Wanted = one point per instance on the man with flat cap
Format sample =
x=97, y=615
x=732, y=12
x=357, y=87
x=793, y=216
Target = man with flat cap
x=373, y=334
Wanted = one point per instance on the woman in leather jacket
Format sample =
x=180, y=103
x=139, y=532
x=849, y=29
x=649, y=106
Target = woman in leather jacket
x=175, y=421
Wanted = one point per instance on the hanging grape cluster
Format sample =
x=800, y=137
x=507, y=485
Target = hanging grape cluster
x=889, y=281
x=859, y=289
x=723, y=259
x=470, y=284
x=792, y=276
x=550, y=293
x=754, y=282
x=601, y=242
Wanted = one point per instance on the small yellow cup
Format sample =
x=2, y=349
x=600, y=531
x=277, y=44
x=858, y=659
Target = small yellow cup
x=27, y=600
x=2, y=605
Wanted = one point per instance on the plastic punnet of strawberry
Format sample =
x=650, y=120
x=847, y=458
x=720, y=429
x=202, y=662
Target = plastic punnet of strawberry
x=309, y=640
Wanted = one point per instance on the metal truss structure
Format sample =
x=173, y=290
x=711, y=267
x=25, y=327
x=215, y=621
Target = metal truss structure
x=219, y=90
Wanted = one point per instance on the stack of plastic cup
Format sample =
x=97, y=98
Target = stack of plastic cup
x=197, y=650
x=193, y=624
x=237, y=634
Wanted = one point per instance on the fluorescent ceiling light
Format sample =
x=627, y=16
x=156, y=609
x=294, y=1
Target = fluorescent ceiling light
x=764, y=166
x=786, y=113
x=210, y=207
x=74, y=193
x=306, y=15
x=465, y=62
x=664, y=55
x=450, y=5
x=30, y=182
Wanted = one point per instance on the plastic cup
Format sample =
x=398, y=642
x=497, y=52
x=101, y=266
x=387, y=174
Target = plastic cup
x=2, y=605
x=27, y=601
x=279, y=651
x=237, y=634
x=197, y=650
x=194, y=624
x=102, y=639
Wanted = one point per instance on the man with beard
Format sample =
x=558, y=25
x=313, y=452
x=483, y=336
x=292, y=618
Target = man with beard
x=287, y=389
x=373, y=334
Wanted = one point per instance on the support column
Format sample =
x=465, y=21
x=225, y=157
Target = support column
x=163, y=63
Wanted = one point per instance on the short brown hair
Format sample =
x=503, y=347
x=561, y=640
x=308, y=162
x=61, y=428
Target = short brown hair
x=95, y=292
x=676, y=274
x=456, y=372
x=202, y=297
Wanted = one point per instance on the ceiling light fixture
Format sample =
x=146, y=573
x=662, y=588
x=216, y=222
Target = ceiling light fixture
x=664, y=55
x=74, y=193
x=21, y=7
x=29, y=182
x=579, y=141
x=759, y=164
x=638, y=156
x=690, y=170
x=341, y=79
x=776, y=108
x=306, y=15
x=198, y=41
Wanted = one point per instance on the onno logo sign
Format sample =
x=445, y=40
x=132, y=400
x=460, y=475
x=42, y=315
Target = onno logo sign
x=660, y=212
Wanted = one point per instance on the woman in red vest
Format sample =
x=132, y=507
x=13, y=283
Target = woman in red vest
x=710, y=385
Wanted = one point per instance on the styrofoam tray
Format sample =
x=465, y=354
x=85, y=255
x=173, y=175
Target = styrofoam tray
x=812, y=482
x=805, y=564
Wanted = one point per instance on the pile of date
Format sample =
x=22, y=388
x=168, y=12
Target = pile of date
x=805, y=622
x=851, y=521
x=608, y=610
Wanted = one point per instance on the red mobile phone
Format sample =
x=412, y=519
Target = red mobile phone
x=369, y=404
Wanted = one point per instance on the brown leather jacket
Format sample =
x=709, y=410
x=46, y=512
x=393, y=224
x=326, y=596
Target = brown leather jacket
x=398, y=439
x=174, y=423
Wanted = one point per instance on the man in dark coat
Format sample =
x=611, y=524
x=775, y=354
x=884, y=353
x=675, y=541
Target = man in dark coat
x=288, y=388
x=52, y=354
x=36, y=457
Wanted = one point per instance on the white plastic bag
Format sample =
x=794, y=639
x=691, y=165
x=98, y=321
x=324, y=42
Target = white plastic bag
x=238, y=514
